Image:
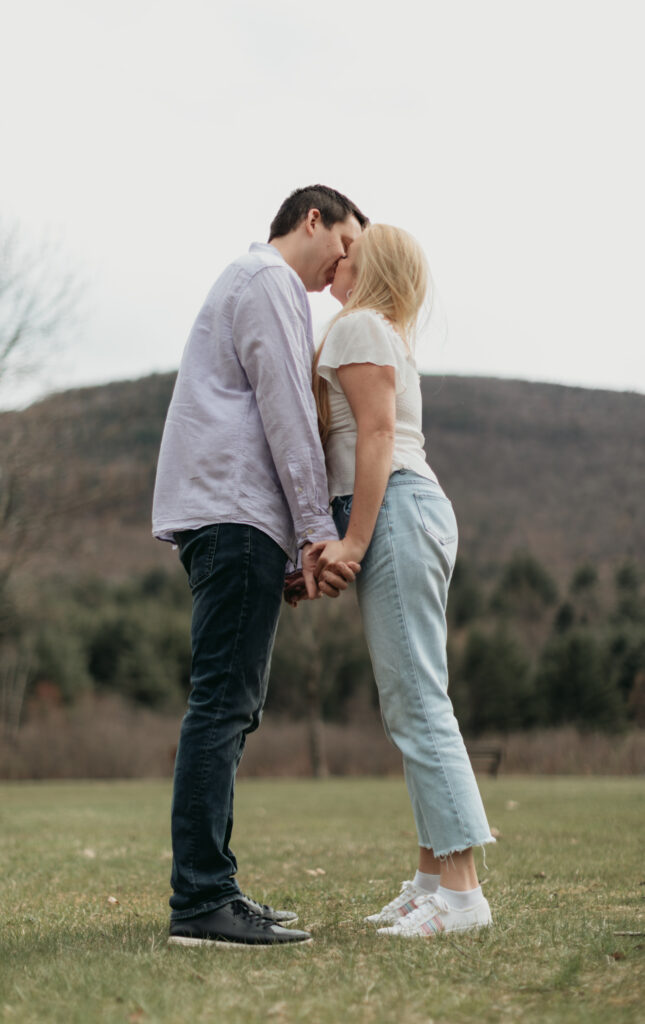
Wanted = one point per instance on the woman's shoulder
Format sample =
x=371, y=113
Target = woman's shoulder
x=364, y=316
x=362, y=322
x=365, y=336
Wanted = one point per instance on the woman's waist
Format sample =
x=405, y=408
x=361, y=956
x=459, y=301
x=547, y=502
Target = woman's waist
x=341, y=466
x=406, y=476
x=399, y=478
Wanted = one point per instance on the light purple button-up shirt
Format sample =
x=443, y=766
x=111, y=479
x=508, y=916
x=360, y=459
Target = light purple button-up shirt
x=241, y=443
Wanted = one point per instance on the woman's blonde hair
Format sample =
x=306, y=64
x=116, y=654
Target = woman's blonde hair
x=393, y=280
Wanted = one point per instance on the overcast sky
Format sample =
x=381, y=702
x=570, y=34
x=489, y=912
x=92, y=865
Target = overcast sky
x=156, y=140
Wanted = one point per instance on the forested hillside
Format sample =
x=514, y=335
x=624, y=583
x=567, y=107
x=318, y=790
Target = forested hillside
x=559, y=471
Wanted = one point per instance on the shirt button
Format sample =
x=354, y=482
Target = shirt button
x=309, y=532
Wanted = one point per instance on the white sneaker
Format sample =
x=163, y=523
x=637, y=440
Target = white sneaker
x=401, y=905
x=433, y=915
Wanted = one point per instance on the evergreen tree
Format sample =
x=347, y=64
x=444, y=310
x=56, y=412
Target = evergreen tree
x=524, y=594
x=495, y=675
x=630, y=603
x=465, y=597
x=574, y=680
x=583, y=590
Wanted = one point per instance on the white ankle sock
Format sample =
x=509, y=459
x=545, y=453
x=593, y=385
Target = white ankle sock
x=428, y=882
x=461, y=900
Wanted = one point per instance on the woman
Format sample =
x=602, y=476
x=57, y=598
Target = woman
x=395, y=520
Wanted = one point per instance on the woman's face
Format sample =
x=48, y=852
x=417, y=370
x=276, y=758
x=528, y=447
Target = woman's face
x=346, y=274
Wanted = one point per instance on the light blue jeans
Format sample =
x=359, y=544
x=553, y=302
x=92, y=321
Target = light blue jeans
x=402, y=593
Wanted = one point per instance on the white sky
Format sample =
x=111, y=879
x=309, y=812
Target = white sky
x=158, y=139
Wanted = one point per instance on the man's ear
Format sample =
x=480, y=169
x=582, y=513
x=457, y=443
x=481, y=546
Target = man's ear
x=311, y=220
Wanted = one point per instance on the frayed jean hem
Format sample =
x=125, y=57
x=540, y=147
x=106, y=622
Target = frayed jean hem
x=447, y=854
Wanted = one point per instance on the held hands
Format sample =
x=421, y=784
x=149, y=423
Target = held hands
x=338, y=561
x=334, y=564
x=327, y=568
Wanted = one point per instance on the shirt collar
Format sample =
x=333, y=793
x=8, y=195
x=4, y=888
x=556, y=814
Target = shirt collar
x=266, y=247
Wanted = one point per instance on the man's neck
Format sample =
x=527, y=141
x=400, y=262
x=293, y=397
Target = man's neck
x=287, y=249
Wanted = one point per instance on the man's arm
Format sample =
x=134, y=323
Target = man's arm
x=271, y=341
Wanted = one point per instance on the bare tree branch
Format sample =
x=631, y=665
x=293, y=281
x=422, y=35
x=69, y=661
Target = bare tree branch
x=39, y=302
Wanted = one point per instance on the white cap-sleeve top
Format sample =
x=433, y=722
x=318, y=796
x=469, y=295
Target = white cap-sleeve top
x=367, y=337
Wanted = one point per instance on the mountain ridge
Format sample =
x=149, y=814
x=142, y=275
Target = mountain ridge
x=550, y=468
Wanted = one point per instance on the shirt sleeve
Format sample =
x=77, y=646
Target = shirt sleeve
x=270, y=334
x=362, y=337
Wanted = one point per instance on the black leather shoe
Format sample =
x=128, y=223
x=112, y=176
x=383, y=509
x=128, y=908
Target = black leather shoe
x=233, y=925
x=283, y=917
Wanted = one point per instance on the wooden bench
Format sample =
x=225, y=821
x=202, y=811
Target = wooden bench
x=485, y=757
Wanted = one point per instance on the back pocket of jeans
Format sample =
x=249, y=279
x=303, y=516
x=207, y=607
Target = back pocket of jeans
x=437, y=517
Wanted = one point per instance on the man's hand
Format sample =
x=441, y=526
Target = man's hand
x=294, y=588
x=337, y=576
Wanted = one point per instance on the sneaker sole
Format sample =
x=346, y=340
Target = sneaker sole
x=449, y=931
x=385, y=921
x=185, y=940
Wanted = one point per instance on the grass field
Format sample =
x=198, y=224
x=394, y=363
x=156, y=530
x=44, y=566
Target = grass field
x=84, y=885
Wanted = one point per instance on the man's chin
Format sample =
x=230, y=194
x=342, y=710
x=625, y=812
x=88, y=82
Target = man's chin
x=330, y=280
x=322, y=285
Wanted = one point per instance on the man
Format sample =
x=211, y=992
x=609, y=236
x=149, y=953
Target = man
x=241, y=486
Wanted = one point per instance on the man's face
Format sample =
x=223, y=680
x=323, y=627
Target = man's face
x=326, y=247
x=346, y=274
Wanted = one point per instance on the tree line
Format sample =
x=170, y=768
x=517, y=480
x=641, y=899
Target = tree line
x=522, y=653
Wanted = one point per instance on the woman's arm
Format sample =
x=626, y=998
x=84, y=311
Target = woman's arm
x=370, y=391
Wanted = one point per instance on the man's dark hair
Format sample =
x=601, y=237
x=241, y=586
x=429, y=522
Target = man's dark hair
x=334, y=207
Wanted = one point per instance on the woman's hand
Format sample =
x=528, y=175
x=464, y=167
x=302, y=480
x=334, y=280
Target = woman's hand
x=337, y=565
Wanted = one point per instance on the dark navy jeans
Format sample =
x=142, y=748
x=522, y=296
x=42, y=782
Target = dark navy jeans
x=236, y=575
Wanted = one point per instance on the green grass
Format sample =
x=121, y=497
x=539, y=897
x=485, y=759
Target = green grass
x=567, y=873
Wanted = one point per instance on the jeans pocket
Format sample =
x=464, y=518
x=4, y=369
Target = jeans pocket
x=346, y=503
x=437, y=517
x=197, y=554
x=341, y=508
